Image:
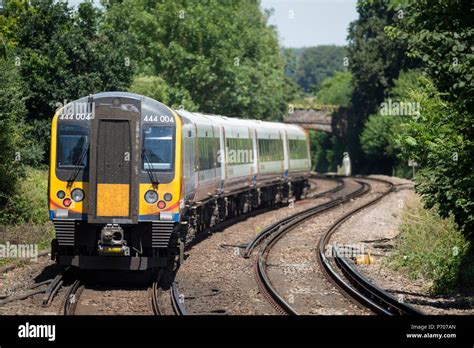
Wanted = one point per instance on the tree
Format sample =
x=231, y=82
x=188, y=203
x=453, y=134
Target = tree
x=336, y=90
x=440, y=139
x=62, y=55
x=378, y=141
x=378, y=138
x=440, y=34
x=435, y=140
x=157, y=88
x=375, y=62
x=12, y=113
x=230, y=67
x=318, y=63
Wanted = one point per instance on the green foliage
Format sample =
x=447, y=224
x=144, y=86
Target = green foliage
x=440, y=140
x=230, y=67
x=374, y=59
x=291, y=61
x=407, y=81
x=440, y=34
x=378, y=138
x=432, y=248
x=29, y=203
x=318, y=63
x=336, y=90
x=62, y=55
x=12, y=113
x=155, y=87
x=326, y=151
x=375, y=62
x=310, y=102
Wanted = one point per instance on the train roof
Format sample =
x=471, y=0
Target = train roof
x=150, y=104
x=212, y=119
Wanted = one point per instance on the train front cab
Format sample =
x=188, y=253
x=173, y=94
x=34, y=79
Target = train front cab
x=115, y=182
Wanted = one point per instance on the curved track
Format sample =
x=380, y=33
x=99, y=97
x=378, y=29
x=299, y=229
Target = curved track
x=351, y=283
x=274, y=232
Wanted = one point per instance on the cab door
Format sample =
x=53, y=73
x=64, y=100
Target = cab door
x=114, y=165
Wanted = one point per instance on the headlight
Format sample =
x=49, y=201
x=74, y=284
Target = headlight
x=77, y=195
x=61, y=194
x=151, y=196
x=168, y=197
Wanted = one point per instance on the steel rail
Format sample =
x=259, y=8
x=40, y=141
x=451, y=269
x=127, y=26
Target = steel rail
x=275, y=232
x=266, y=232
x=353, y=283
x=176, y=301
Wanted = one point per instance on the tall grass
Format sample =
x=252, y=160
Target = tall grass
x=24, y=220
x=432, y=249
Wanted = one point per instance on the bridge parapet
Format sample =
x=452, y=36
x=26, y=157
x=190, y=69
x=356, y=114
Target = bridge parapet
x=327, y=119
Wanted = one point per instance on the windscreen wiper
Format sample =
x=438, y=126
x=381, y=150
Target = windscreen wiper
x=77, y=168
x=148, y=168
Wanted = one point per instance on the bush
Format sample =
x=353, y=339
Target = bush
x=156, y=87
x=431, y=248
x=440, y=139
x=29, y=204
x=12, y=113
x=327, y=151
x=336, y=90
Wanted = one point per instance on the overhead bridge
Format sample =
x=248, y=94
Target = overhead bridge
x=326, y=119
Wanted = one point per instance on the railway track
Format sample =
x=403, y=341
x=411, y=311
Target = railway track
x=156, y=298
x=351, y=283
x=343, y=273
x=270, y=230
x=156, y=294
x=72, y=297
x=274, y=232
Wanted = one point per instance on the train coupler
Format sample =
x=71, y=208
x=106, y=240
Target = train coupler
x=111, y=241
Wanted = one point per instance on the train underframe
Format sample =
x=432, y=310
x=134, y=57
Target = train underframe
x=160, y=244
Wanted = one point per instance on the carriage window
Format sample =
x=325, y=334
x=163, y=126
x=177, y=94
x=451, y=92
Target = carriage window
x=298, y=149
x=158, y=147
x=73, y=145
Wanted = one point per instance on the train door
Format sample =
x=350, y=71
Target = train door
x=114, y=165
x=286, y=153
x=190, y=164
x=215, y=144
x=255, y=155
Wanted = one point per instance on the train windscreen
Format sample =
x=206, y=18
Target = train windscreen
x=158, y=146
x=73, y=145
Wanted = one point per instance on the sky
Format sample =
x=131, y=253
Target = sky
x=305, y=23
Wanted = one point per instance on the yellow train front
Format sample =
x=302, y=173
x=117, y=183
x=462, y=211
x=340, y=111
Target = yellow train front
x=115, y=182
x=132, y=181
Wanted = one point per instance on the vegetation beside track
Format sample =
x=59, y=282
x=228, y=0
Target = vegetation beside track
x=432, y=249
x=25, y=219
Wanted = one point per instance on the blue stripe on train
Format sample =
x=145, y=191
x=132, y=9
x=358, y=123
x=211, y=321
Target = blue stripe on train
x=140, y=218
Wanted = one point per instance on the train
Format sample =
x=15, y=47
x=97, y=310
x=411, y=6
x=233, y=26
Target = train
x=132, y=181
